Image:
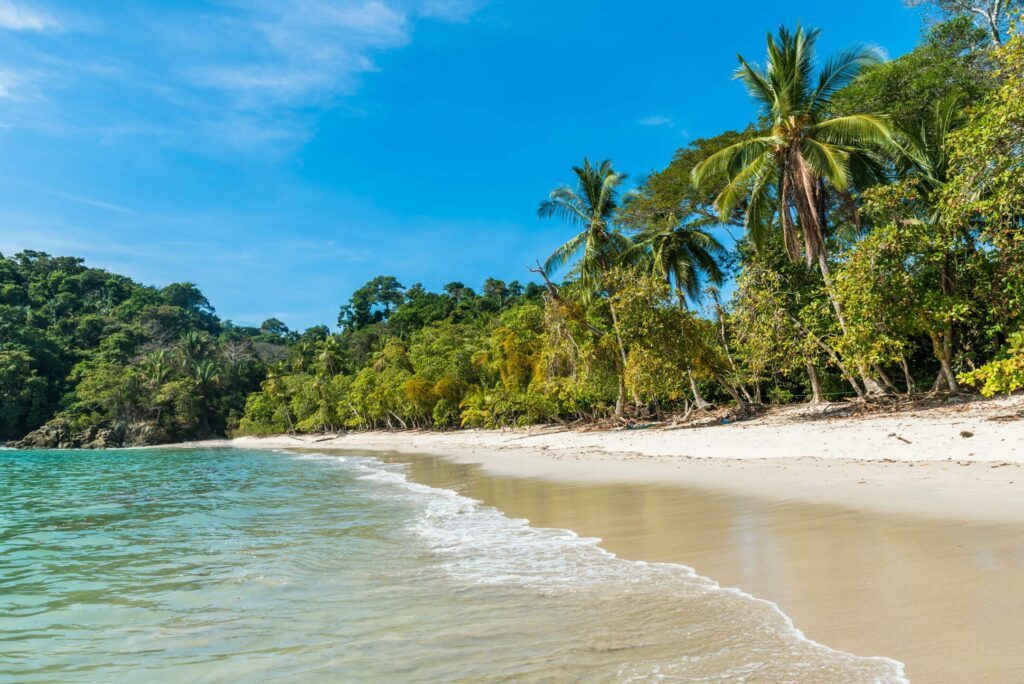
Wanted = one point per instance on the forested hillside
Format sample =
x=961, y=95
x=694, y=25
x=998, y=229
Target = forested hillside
x=119, y=363
x=862, y=239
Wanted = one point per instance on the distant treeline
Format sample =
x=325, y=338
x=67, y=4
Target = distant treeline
x=118, y=363
x=878, y=215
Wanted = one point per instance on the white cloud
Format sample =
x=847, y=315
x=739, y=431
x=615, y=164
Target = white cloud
x=304, y=51
x=222, y=76
x=16, y=84
x=655, y=120
x=20, y=17
x=449, y=10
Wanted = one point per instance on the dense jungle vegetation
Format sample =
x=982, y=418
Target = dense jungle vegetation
x=876, y=210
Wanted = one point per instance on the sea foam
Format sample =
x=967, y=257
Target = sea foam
x=478, y=545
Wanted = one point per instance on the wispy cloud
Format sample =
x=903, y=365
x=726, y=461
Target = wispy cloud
x=655, y=120
x=16, y=84
x=449, y=10
x=22, y=17
x=225, y=75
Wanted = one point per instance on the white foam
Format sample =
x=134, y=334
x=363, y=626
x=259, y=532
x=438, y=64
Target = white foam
x=480, y=545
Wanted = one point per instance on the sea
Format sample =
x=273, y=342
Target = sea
x=228, y=564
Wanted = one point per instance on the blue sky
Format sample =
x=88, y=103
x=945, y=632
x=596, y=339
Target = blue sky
x=279, y=154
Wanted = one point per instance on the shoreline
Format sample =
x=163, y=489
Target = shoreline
x=963, y=462
x=908, y=549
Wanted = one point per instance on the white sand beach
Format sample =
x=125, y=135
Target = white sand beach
x=961, y=461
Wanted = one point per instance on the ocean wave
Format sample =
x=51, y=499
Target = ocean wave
x=478, y=545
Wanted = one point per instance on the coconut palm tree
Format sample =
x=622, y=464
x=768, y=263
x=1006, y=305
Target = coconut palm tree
x=923, y=146
x=788, y=170
x=685, y=256
x=599, y=245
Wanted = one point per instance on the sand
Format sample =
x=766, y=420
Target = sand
x=899, y=534
x=960, y=462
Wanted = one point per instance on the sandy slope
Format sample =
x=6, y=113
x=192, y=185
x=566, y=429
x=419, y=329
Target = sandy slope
x=960, y=461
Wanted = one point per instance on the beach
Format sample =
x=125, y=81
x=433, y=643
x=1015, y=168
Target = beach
x=897, y=535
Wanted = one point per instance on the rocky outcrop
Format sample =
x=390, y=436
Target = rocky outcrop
x=57, y=434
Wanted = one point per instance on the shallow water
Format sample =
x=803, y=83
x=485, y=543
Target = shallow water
x=206, y=565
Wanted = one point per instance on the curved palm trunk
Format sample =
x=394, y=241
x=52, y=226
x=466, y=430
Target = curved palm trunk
x=808, y=199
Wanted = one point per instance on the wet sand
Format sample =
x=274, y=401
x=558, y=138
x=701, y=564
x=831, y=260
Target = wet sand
x=945, y=597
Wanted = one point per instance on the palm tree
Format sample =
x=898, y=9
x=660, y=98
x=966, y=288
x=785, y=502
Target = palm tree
x=789, y=170
x=156, y=368
x=685, y=256
x=193, y=347
x=923, y=146
x=599, y=246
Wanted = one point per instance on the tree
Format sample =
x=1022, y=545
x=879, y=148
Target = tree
x=951, y=61
x=685, y=257
x=274, y=328
x=598, y=247
x=993, y=15
x=985, y=193
x=371, y=303
x=788, y=171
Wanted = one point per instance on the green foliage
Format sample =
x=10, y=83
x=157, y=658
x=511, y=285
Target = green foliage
x=1002, y=375
x=900, y=181
x=986, y=191
x=951, y=61
x=101, y=351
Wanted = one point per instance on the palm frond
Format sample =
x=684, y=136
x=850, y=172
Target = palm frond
x=561, y=256
x=740, y=184
x=855, y=130
x=757, y=83
x=563, y=204
x=841, y=69
x=827, y=161
x=729, y=161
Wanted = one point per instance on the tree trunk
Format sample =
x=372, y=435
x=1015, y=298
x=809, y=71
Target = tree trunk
x=906, y=375
x=885, y=378
x=698, y=398
x=742, y=407
x=620, y=404
x=817, y=397
x=870, y=384
x=942, y=347
x=947, y=360
x=831, y=354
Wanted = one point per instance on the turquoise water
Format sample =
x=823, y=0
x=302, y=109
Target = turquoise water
x=227, y=564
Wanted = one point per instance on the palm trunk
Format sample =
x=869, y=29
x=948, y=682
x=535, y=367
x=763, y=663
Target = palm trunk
x=808, y=199
x=620, y=403
x=831, y=354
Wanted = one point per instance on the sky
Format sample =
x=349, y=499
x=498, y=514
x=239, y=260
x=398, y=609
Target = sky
x=281, y=153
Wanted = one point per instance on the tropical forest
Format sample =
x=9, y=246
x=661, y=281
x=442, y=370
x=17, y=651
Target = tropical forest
x=860, y=241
